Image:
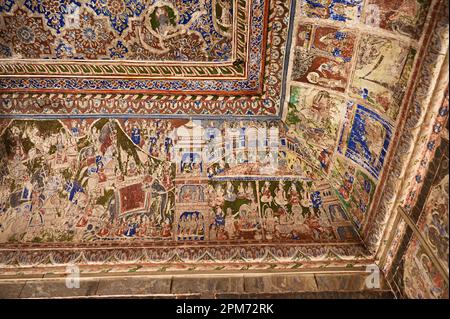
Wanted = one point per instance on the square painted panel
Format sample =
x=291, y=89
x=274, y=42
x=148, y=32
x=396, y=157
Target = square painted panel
x=368, y=140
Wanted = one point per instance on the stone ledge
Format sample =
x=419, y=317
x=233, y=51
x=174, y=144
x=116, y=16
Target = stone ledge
x=289, y=285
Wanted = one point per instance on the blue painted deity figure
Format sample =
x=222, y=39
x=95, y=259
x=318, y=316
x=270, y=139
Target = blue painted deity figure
x=26, y=191
x=131, y=229
x=72, y=188
x=219, y=218
x=99, y=162
x=136, y=135
x=167, y=143
x=75, y=131
x=362, y=206
x=324, y=159
x=316, y=200
x=367, y=186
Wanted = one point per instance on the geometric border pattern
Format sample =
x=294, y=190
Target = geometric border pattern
x=267, y=104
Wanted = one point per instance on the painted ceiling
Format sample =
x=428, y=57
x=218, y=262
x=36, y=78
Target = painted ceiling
x=98, y=95
x=212, y=46
x=176, y=31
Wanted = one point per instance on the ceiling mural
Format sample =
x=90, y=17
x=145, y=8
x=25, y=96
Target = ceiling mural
x=167, y=46
x=323, y=58
x=377, y=59
x=434, y=222
x=422, y=279
x=247, y=83
x=405, y=17
x=174, y=31
x=365, y=139
x=336, y=10
x=80, y=180
x=418, y=140
x=355, y=190
x=205, y=134
x=122, y=181
x=420, y=244
x=349, y=72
